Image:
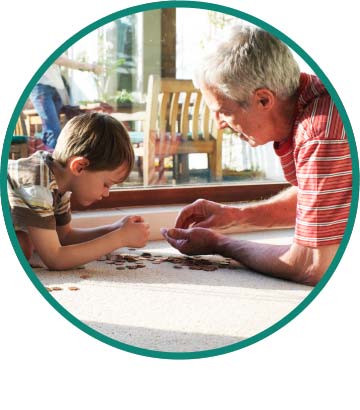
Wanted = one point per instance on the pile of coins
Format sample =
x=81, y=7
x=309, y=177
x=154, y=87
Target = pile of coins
x=128, y=261
x=135, y=261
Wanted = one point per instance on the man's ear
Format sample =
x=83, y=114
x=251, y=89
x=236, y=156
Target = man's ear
x=264, y=98
x=78, y=164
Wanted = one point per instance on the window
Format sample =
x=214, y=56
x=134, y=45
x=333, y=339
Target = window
x=159, y=42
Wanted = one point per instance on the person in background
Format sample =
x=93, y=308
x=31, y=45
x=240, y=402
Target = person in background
x=253, y=85
x=50, y=94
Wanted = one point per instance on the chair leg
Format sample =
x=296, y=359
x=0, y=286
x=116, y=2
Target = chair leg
x=215, y=163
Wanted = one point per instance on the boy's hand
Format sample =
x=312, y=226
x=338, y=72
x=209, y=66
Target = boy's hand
x=134, y=231
x=119, y=223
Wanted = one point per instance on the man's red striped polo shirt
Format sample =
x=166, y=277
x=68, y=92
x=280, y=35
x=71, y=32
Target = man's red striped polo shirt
x=317, y=160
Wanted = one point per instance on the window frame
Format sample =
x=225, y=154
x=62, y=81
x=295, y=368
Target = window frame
x=163, y=195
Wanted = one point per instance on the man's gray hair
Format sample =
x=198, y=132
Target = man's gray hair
x=245, y=59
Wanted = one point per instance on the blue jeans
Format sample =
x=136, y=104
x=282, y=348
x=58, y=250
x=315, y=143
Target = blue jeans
x=47, y=102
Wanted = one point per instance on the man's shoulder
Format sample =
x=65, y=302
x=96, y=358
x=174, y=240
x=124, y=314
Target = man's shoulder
x=319, y=120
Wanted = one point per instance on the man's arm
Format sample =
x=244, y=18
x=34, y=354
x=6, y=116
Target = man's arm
x=293, y=262
x=278, y=211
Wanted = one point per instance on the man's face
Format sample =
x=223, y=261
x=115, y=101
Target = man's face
x=92, y=186
x=251, y=123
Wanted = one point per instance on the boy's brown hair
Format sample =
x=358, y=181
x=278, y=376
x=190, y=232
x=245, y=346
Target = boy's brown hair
x=100, y=138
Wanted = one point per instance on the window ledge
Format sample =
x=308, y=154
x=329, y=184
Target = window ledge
x=157, y=217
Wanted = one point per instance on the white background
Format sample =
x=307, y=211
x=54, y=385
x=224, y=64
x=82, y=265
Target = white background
x=46, y=362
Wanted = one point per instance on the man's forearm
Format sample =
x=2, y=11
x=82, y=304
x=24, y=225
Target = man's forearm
x=273, y=260
x=262, y=258
x=276, y=212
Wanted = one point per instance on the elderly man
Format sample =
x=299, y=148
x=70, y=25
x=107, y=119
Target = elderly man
x=253, y=85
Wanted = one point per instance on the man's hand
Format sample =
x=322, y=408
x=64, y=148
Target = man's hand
x=206, y=214
x=193, y=241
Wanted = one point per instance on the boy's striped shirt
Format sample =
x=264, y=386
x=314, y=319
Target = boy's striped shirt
x=33, y=194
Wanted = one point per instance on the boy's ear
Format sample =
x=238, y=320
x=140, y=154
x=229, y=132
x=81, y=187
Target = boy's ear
x=78, y=164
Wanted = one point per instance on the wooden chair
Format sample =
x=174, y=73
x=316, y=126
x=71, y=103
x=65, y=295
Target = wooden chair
x=176, y=123
x=19, y=147
x=32, y=120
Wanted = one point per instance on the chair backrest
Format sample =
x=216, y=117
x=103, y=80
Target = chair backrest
x=176, y=110
x=176, y=107
x=20, y=127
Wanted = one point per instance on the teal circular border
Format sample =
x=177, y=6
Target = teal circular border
x=285, y=319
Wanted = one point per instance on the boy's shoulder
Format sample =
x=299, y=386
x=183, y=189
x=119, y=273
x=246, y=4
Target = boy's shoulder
x=33, y=170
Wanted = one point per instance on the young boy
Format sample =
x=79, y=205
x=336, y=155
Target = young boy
x=93, y=152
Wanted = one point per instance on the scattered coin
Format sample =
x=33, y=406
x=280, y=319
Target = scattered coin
x=177, y=267
x=73, y=288
x=120, y=268
x=56, y=288
x=130, y=258
x=146, y=254
x=209, y=268
x=48, y=289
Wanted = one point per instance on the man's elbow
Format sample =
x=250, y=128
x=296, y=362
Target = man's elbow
x=311, y=275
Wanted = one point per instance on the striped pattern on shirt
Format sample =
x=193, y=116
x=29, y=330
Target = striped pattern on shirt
x=317, y=160
x=33, y=194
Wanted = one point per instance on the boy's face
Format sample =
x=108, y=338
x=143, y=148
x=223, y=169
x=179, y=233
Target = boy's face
x=91, y=186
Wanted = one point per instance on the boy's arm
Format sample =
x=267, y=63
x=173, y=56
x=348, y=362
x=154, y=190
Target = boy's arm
x=70, y=236
x=57, y=257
